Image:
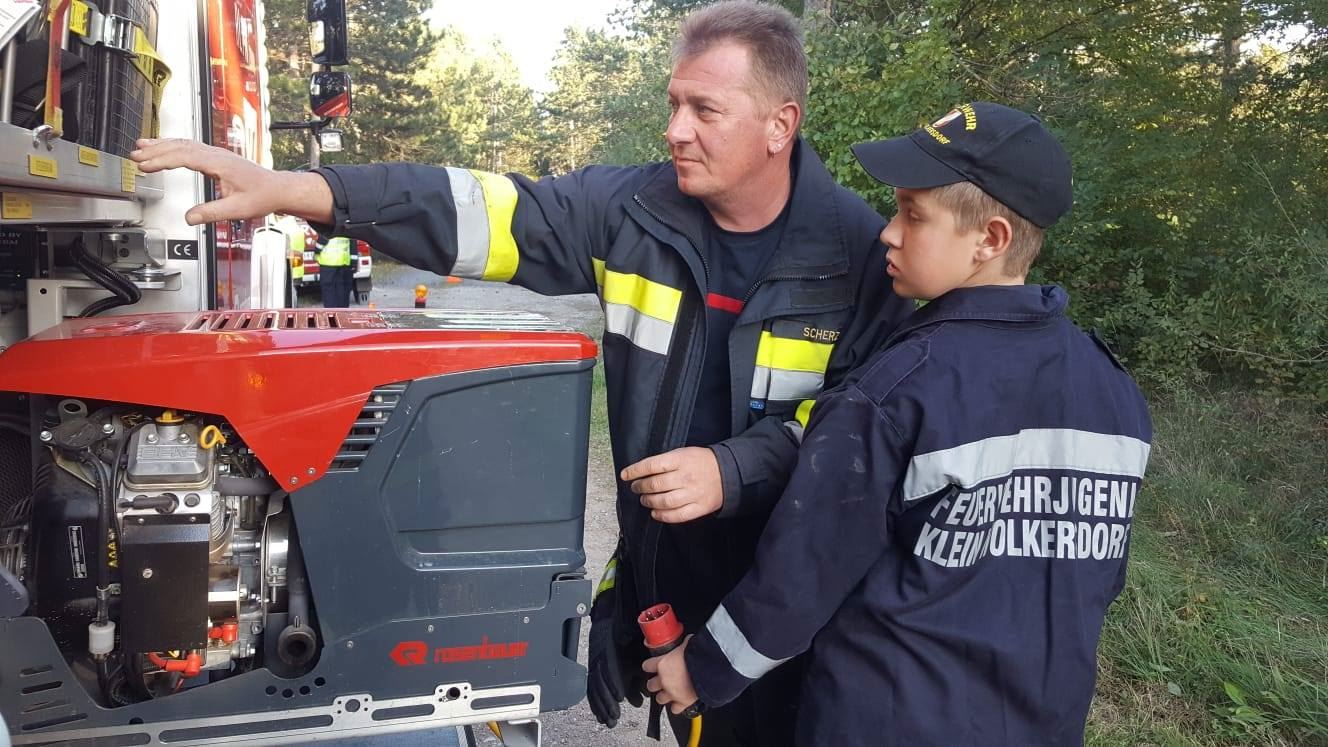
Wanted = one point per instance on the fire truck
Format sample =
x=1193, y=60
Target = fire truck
x=190, y=553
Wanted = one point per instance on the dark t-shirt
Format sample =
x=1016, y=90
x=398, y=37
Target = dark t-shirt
x=735, y=261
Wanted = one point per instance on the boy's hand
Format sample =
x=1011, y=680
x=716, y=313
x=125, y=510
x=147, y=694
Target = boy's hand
x=246, y=189
x=671, y=684
x=678, y=485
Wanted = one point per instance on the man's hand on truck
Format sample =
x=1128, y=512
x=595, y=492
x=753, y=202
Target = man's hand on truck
x=679, y=485
x=246, y=189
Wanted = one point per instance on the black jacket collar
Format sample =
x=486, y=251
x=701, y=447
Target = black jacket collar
x=990, y=303
x=813, y=240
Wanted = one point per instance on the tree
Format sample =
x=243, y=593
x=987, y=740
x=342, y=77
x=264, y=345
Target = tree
x=482, y=116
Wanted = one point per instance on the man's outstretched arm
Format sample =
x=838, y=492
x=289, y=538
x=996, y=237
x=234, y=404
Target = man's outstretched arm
x=247, y=190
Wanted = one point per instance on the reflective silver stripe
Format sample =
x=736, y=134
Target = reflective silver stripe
x=643, y=330
x=472, y=224
x=973, y=463
x=795, y=428
x=744, y=659
x=778, y=383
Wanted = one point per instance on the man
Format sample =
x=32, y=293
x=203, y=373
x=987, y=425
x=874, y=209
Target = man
x=736, y=280
x=336, y=275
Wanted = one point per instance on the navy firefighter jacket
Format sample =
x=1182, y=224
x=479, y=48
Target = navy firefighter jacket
x=957, y=524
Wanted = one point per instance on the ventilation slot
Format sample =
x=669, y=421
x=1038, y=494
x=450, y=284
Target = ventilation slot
x=41, y=704
x=364, y=432
x=228, y=321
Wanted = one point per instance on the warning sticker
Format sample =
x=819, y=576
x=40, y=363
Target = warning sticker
x=78, y=557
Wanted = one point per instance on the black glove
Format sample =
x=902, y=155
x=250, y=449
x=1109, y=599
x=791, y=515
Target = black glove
x=613, y=674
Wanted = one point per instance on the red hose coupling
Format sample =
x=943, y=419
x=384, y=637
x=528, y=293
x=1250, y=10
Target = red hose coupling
x=661, y=629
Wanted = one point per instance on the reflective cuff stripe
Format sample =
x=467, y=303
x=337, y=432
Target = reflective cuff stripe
x=646, y=296
x=472, y=224
x=974, y=463
x=778, y=384
x=645, y=332
x=500, y=201
x=609, y=580
x=485, y=204
x=744, y=659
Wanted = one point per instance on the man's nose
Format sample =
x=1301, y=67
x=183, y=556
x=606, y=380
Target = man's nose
x=680, y=129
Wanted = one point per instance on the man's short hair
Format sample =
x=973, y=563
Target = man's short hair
x=972, y=209
x=773, y=39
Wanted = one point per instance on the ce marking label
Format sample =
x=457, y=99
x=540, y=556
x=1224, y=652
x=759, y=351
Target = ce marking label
x=182, y=250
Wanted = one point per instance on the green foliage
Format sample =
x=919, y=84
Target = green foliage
x=480, y=115
x=1221, y=634
x=419, y=94
x=1199, y=132
x=1198, y=243
x=609, y=103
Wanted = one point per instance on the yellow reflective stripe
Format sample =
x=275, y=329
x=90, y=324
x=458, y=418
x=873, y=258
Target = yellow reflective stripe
x=599, y=271
x=609, y=580
x=793, y=355
x=804, y=412
x=646, y=296
x=500, y=205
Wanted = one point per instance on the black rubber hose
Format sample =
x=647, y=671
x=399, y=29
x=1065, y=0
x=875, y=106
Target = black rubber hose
x=297, y=643
x=235, y=485
x=124, y=290
x=105, y=510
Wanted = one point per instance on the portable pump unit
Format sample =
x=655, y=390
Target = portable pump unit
x=276, y=526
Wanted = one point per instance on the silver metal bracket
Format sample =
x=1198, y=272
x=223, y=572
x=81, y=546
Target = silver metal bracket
x=109, y=30
x=524, y=733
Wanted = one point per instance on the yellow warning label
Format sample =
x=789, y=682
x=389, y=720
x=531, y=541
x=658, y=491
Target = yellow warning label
x=89, y=156
x=44, y=167
x=128, y=176
x=15, y=207
x=78, y=18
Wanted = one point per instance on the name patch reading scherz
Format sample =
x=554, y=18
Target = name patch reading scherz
x=820, y=335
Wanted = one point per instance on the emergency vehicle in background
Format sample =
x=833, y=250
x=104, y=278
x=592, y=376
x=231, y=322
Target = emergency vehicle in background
x=191, y=552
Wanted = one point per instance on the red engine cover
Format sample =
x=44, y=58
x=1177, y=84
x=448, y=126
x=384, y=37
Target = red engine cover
x=290, y=382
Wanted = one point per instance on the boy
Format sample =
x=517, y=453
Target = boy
x=959, y=517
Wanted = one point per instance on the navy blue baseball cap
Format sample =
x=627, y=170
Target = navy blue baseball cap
x=1005, y=152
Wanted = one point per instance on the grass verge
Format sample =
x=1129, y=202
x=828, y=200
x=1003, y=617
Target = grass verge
x=1221, y=634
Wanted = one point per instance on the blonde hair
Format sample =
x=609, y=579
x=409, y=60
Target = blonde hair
x=972, y=208
x=771, y=35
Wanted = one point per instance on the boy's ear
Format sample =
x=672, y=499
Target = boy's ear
x=995, y=240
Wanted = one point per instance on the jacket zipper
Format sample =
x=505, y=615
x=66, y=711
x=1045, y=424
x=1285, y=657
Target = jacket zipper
x=827, y=276
x=690, y=373
x=653, y=529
